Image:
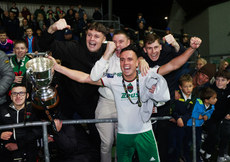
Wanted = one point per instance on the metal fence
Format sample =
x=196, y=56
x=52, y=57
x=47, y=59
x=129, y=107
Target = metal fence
x=32, y=54
x=44, y=125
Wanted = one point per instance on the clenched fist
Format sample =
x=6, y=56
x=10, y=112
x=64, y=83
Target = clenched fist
x=195, y=42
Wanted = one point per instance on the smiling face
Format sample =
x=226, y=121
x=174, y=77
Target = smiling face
x=29, y=32
x=153, y=50
x=121, y=41
x=128, y=63
x=94, y=40
x=201, y=79
x=20, y=50
x=18, y=97
x=221, y=82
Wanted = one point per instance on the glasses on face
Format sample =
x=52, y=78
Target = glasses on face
x=14, y=94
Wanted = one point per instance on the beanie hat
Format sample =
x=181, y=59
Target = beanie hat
x=209, y=70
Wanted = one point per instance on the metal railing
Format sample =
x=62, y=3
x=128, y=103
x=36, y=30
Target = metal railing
x=33, y=54
x=44, y=125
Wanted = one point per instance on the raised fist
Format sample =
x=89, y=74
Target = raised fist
x=195, y=42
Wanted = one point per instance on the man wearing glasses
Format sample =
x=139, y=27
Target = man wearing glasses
x=18, y=144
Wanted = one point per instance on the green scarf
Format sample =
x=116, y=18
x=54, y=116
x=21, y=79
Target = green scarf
x=19, y=67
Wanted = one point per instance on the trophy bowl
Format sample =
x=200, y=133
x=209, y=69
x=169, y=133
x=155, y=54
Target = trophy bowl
x=40, y=74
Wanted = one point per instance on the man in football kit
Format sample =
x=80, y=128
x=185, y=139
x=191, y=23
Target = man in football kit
x=133, y=132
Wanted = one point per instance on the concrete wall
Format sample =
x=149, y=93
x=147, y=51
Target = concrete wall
x=199, y=26
x=219, y=27
x=212, y=26
x=177, y=18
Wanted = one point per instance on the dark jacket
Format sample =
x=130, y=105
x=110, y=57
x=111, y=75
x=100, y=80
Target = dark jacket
x=73, y=55
x=76, y=56
x=12, y=27
x=35, y=46
x=183, y=109
x=222, y=105
x=167, y=54
x=74, y=145
x=25, y=138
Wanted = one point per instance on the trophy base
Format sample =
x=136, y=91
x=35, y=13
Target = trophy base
x=49, y=102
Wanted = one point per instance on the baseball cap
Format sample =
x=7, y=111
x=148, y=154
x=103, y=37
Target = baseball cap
x=67, y=31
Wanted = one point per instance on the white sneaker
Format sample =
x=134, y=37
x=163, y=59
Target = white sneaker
x=226, y=156
x=221, y=159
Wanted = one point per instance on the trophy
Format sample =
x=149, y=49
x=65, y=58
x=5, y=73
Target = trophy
x=40, y=74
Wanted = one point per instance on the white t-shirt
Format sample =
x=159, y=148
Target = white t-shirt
x=102, y=67
x=129, y=118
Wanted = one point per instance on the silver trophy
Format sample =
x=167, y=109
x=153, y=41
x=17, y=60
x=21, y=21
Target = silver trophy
x=40, y=74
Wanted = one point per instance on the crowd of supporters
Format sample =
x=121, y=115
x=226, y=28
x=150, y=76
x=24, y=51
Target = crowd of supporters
x=23, y=32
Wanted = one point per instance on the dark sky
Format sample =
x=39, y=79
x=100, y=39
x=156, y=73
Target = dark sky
x=153, y=11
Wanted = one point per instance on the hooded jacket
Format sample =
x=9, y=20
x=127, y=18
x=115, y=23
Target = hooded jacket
x=25, y=138
x=199, y=109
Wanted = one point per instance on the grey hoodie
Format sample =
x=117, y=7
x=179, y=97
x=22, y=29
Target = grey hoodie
x=161, y=94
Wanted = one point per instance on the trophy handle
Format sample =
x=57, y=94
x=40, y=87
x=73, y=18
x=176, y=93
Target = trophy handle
x=29, y=74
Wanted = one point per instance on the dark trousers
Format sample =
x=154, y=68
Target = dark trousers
x=82, y=110
x=176, y=142
x=161, y=130
x=189, y=144
x=212, y=129
x=224, y=138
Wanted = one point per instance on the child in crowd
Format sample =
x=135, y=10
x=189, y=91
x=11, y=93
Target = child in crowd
x=31, y=41
x=19, y=60
x=200, y=62
x=202, y=111
x=223, y=65
x=220, y=114
x=6, y=44
x=224, y=139
x=181, y=113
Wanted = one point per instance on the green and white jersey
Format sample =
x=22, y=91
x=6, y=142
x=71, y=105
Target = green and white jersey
x=129, y=118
